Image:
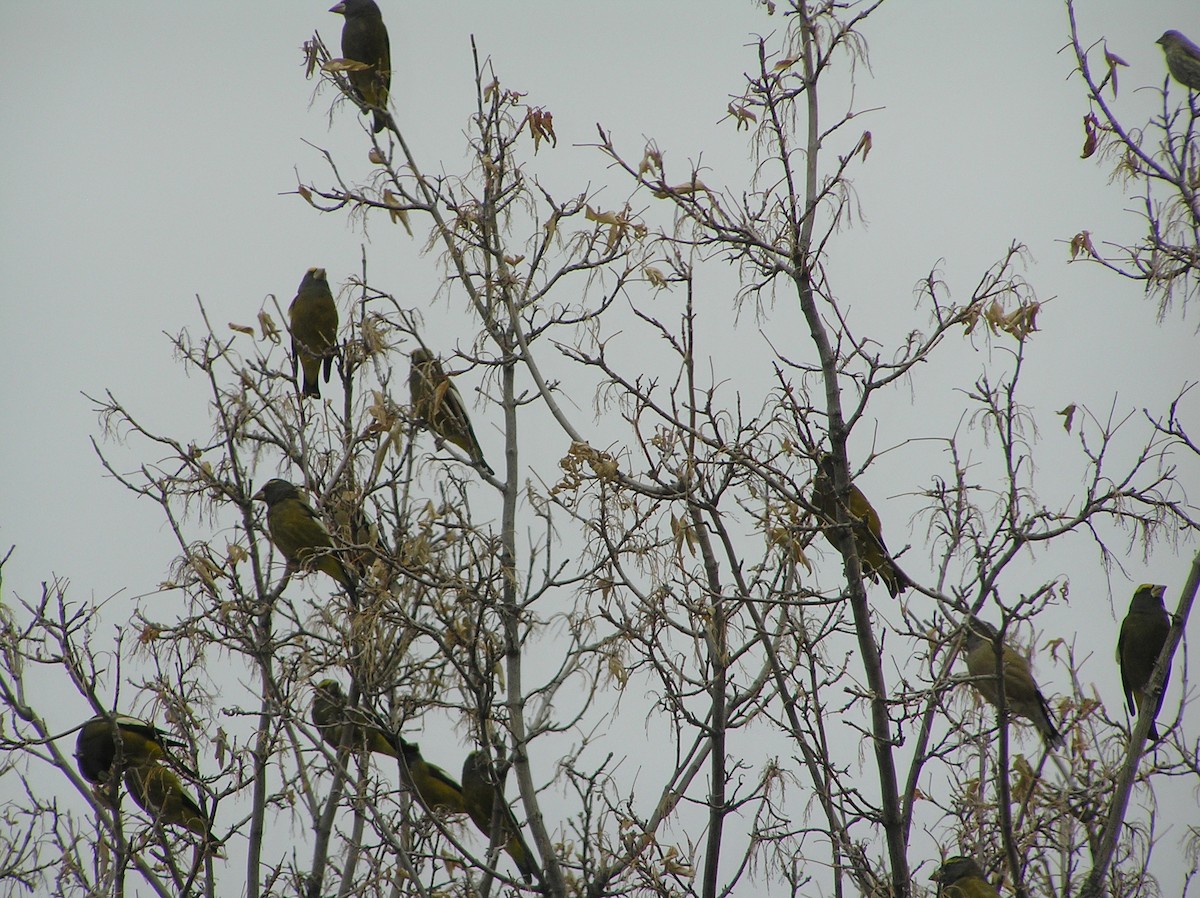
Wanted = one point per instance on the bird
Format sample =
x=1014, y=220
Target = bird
x=330, y=713
x=1143, y=635
x=158, y=792
x=313, y=321
x=1021, y=693
x=876, y=562
x=436, y=402
x=433, y=786
x=96, y=747
x=1183, y=59
x=481, y=793
x=961, y=877
x=299, y=534
x=365, y=40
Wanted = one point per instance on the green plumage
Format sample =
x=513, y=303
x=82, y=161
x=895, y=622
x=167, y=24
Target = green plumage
x=1143, y=634
x=1183, y=59
x=330, y=713
x=437, y=403
x=96, y=748
x=313, y=322
x=961, y=877
x=432, y=785
x=365, y=40
x=299, y=534
x=865, y=527
x=1021, y=693
x=481, y=796
x=158, y=792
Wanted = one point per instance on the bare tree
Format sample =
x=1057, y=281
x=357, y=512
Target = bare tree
x=804, y=720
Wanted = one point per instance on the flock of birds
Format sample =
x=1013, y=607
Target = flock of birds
x=115, y=747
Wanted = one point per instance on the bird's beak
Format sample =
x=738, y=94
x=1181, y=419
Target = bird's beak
x=259, y=497
x=340, y=9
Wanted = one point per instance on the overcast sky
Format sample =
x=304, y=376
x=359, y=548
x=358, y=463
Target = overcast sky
x=149, y=149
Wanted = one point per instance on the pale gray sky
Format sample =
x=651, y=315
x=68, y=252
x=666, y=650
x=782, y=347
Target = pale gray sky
x=149, y=149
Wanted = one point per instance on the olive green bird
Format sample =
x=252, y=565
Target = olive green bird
x=433, y=786
x=961, y=877
x=1183, y=59
x=331, y=714
x=365, y=40
x=481, y=795
x=436, y=401
x=96, y=745
x=159, y=793
x=1021, y=693
x=1143, y=635
x=313, y=322
x=299, y=534
x=867, y=531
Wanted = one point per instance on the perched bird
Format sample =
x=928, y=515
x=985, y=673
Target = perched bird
x=436, y=402
x=867, y=531
x=313, y=321
x=1143, y=635
x=330, y=713
x=1183, y=59
x=961, y=877
x=433, y=786
x=159, y=793
x=299, y=534
x=365, y=40
x=96, y=747
x=1021, y=693
x=481, y=794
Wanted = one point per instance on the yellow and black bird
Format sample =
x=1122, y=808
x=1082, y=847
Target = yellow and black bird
x=299, y=534
x=331, y=714
x=159, y=793
x=313, y=321
x=1183, y=59
x=1021, y=693
x=96, y=745
x=1143, y=635
x=365, y=40
x=961, y=877
x=481, y=794
x=432, y=785
x=867, y=531
x=436, y=401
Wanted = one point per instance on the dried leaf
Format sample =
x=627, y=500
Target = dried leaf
x=742, y=115
x=541, y=127
x=344, y=65
x=242, y=329
x=693, y=186
x=1082, y=242
x=266, y=326
x=310, y=58
x=396, y=211
x=1112, y=60
x=1068, y=415
x=1091, y=139
x=865, y=145
x=652, y=161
